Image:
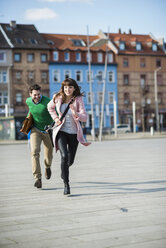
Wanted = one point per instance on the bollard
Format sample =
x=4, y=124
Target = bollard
x=151, y=131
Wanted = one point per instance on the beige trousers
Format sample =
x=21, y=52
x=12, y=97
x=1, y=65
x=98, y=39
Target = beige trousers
x=36, y=139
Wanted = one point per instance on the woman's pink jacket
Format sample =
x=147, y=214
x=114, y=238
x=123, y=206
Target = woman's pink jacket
x=82, y=116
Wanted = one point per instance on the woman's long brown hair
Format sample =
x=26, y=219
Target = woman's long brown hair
x=69, y=82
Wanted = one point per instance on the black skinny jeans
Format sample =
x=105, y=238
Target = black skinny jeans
x=67, y=144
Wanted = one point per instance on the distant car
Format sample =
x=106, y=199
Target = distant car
x=121, y=128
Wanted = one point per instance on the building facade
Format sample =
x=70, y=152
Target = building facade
x=139, y=57
x=28, y=64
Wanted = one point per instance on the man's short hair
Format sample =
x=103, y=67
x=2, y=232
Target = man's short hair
x=34, y=87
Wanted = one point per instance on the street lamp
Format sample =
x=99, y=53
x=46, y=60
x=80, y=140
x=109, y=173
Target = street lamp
x=90, y=85
x=156, y=97
x=103, y=96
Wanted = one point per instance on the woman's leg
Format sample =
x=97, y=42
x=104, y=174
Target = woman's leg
x=62, y=144
x=72, y=148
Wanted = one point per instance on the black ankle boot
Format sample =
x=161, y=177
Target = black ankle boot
x=66, y=189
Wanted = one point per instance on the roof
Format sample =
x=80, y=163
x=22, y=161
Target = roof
x=3, y=42
x=66, y=41
x=24, y=36
x=130, y=41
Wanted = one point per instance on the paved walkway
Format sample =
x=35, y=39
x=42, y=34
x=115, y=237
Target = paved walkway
x=118, y=198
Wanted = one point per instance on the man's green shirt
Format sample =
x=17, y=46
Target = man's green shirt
x=39, y=112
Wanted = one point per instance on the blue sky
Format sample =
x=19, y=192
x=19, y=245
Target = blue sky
x=73, y=16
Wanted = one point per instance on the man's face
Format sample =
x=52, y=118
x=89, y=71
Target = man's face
x=35, y=95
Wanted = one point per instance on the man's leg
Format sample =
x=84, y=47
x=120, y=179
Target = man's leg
x=48, y=154
x=35, y=141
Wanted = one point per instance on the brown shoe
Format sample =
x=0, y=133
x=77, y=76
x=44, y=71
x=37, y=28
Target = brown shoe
x=38, y=183
x=47, y=173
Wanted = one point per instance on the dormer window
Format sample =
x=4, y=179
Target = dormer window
x=154, y=47
x=50, y=42
x=33, y=41
x=78, y=42
x=122, y=45
x=138, y=46
x=8, y=28
x=19, y=41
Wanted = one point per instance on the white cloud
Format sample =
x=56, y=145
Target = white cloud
x=62, y=1
x=39, y=14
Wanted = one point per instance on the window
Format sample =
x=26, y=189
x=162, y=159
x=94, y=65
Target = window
x=88, y=76
x=50, y=42
x=17, y=57
x=111, y=76
x=154, y=47
x=138, y=46
x=99, y=76
x=56, y=76
x=43, y=57
x=100, y=57
x=159, y=79
x=126, y=79
x=126, y=98
x=122, y=45
x=160, y=98
x=143, y=81
x=142, y=62
x=44, y=77
x=18, y=97
x=78, y=42
x=2, y=57
x=125, y=62
x=3, y=76
x=33, y=41
x=89, y=98
x=78, y=57
x=67, y=74
x=3, y=97
x=67, y=56
x=100, y=97
x=111, y=97
x=158, y=62
x=19, y=40
x=79, y=76
x=31, y=76
x=18, y=76
x=30, y=57
x=110, y=57
x=55, y=56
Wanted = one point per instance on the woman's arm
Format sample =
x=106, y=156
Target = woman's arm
x=51, y=109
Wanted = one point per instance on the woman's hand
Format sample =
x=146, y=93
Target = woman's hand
x=57, y=121
x=73, y=110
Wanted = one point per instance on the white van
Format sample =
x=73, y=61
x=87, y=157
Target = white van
x=121, y=128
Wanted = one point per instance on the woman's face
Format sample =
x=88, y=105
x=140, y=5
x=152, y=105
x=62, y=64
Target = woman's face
x=68, y=90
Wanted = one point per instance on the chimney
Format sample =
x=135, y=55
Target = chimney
x=130, y=32
x=119, y=30
x=13, y=24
